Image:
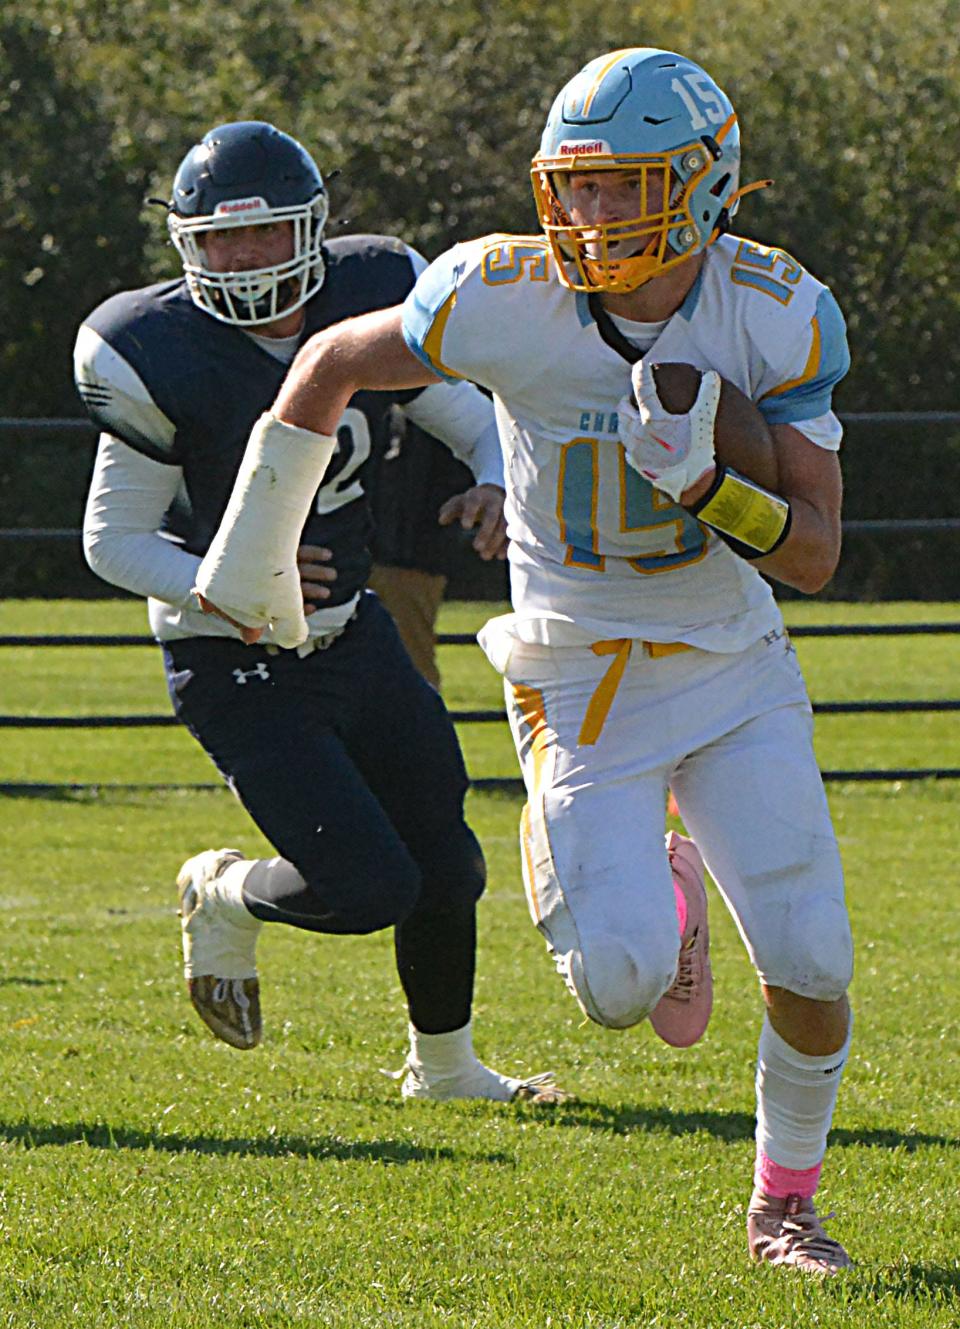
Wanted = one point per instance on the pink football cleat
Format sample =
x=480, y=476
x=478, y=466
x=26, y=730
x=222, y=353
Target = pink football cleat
x=788, y=1231
x=682, y=1014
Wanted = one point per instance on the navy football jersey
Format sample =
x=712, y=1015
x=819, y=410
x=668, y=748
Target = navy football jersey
x=184, y=389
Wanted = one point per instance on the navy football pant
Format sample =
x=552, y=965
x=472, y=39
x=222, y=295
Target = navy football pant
x=348, y=763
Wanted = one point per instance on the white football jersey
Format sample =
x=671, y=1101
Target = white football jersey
x=595, y=551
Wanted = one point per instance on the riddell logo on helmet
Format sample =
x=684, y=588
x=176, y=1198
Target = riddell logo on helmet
x=235, y=205
x=574, y=147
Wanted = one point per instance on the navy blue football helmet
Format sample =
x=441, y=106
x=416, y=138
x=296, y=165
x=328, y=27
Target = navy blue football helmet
x=245, y=174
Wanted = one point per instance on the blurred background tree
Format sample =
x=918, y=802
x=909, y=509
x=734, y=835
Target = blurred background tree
x=430, y=115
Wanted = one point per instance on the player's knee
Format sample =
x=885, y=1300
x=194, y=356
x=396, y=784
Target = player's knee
x=816, y=958
x=370, y=902
x=617, y=982
x=454, y=874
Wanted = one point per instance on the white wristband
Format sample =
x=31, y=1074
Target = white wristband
x=250, y=570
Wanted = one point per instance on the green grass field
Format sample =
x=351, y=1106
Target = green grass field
x=150, y=1176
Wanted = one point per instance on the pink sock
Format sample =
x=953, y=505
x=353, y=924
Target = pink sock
x=681, y=907
x=773, y=1179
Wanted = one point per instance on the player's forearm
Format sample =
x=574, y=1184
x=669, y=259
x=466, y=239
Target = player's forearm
x=129, y=494
x=811, y=481
x=145, y=564
x=808, y=557
x=362, y=353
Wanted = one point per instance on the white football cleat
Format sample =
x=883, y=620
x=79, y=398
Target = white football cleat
x=477, y=1081
x=219, y=951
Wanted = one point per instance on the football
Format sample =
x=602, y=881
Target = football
x=741, y=435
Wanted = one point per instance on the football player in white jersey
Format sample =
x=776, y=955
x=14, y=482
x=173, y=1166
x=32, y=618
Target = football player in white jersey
x=644, y=649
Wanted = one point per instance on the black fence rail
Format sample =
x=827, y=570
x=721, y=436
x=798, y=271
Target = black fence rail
x=502, y=783
x=870, y=529
x=458, y=717
x=469, y=639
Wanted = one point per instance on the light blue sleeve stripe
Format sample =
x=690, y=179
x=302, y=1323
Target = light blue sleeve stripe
x=432, y=289
x=809, y=400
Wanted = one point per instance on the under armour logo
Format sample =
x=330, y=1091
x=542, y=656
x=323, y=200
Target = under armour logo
x=261, y=671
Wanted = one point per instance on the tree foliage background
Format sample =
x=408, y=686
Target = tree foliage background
x=430, y=114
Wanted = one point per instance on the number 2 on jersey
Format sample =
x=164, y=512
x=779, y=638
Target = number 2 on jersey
x=340, y=484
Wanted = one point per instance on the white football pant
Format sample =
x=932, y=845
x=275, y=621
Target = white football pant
x=601, y=733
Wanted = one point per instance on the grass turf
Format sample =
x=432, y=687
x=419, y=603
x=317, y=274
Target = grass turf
x=81, y=681
x=150, y=1176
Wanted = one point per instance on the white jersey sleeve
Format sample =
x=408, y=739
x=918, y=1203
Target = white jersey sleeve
x=463, y=418
x=811, y=366
x=460, y=416
x=129, y=494
x=770, y=327
x=467, y=315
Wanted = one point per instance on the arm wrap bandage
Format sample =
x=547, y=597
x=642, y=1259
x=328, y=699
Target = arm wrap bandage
x=753, y=521
x=250, y=570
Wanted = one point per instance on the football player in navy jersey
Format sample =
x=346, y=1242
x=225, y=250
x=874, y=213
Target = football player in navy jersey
x=344, y=757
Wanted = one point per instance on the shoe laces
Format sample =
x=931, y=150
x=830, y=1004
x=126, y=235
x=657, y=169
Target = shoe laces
x=231, y=989
x=801, y=1231
x=689, y=970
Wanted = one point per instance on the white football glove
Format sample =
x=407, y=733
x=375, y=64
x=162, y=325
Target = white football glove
x=250, y=570
x=671, y=451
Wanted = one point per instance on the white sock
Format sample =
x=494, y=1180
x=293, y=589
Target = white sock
x=442, y=1054
x=264, y=880
x=228, y=889
x=795, y=1099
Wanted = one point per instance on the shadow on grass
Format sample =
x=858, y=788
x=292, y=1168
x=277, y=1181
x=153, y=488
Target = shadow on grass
x=117, y=793
x=100, y=1135
x=21, y=981
x=729, y=1126
x=885, y=1138
x=917, y=1282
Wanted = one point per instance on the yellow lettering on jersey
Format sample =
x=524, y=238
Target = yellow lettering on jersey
x=755, y=265
x=503, y=264
x=667, y=560
x=765, y=259
x=663, y=560
x=578, y=489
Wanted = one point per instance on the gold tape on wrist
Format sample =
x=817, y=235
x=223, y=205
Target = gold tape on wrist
x=747, y=512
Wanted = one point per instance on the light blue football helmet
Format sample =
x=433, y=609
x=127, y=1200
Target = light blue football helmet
x=662, y=119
